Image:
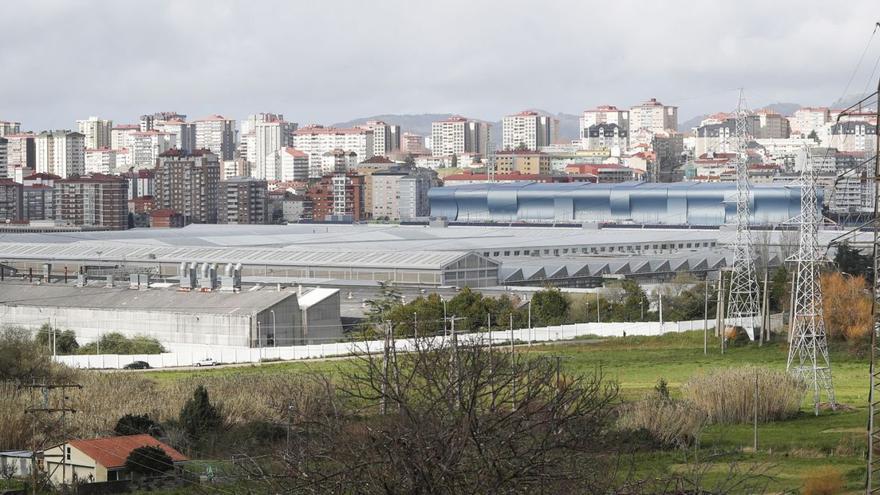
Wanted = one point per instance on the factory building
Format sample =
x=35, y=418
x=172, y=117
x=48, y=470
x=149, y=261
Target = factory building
x=260, y=317
x=695, y=204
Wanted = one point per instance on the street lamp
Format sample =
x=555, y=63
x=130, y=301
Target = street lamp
x=274, y=335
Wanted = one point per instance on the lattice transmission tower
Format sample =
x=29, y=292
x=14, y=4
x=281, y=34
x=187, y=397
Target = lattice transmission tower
x=808, y=350
x=743, y=306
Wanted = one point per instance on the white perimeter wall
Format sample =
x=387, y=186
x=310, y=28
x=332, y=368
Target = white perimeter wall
x=186, y=355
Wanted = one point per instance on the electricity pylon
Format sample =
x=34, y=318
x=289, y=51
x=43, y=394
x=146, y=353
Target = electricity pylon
x=808, y=349
x=743, y=307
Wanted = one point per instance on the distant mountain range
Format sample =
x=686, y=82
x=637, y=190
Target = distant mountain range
x=568, y=123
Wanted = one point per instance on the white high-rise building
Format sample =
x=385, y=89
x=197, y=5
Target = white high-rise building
x=654, y=117
x=604, y=114
x=386, y=137
x=147, y=146
x=7, y=128
x=458, y=136
x=809, y=119
x=217, y=134
x=184, y=134
x=293, y=164
x=269, y=137
x=96, y=132
x=61, y=153
x=316, y=140
x=338, y=162
x=120, y=136
x=100, y=161
x=528, y=130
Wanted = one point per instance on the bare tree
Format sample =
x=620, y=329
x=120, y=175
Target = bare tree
x=460, y=419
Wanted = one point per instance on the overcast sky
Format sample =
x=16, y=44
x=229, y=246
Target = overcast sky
x=324, y=61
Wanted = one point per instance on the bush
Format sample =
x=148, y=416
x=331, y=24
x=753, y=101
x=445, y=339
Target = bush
x=823, y=481
x=149, y=461
x=670, y=423
x=116, y=343
x=65, y=341
x=728, y=395
x=135, y=424
x=21, y=358
x=847, y=307
x=199, y=416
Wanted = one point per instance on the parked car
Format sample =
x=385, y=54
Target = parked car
x=137, y=365
x=206, y=362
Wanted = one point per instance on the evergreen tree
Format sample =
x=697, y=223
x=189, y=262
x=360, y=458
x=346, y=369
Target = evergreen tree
x=149, y=461
x=199, y=416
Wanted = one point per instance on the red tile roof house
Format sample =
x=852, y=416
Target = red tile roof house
x=98, y=459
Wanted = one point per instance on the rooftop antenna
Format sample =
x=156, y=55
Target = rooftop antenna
x=808, y=349
x=742, y=306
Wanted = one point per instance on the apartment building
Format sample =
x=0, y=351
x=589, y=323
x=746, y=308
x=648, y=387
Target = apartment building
x=100, y=161
x=528, y=130
x=244, y=200
x=11, y=201
x=810, y=119
x=148, y=145
x=155, y=121
x=771, y=125
x=269, y=136
x=184, y=134
x=60, y=152
x=95, y=131
x=4, y=157
x=604, y=114
x=140, y=182
x=852, y=136
x=413, y=144
x=21, y=150
x=95, y=200
x=292, y=164
x=606, y=136
x=653, y=116
x=386, y=137
x=338, y=197
x=121, y=135
x=189, y=184
x=7, y=128
x=338, y=162
x=216, y=134
x=522, y=161
x=459, y=136
x=316, y=140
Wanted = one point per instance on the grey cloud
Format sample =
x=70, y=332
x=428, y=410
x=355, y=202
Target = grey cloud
x=334, y=60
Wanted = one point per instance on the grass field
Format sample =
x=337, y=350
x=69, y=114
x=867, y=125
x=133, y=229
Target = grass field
x=790, y=449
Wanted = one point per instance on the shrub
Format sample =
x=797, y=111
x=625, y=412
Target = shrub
x=149, y=461
x=823, y=481
x=65, y=341
x=847, y=307
x=671, y=423
x=199, y=416
x=116, y=343
x=135, y=424
x=21, y=358
x=728, y=395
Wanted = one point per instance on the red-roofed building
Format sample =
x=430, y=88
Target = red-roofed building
x=604, y=172
x=98, y=459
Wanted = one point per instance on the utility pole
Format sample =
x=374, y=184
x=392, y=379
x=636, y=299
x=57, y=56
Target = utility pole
x=598, y=317
x=62, y=409
x=755, y=441
x=873, y=405
x=706, y=318
x=415, y=325
x=385, y=363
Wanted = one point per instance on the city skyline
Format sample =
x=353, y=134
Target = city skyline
x=337, y=61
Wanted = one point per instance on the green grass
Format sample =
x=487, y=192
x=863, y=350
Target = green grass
x=790, y=449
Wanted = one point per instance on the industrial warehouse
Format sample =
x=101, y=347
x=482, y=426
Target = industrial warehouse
x=695, y=204
x=255, y=317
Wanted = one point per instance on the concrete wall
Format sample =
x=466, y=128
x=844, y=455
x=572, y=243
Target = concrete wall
x=321, y=322
x=187, y=355
x=90, y=324
x=283, y=320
